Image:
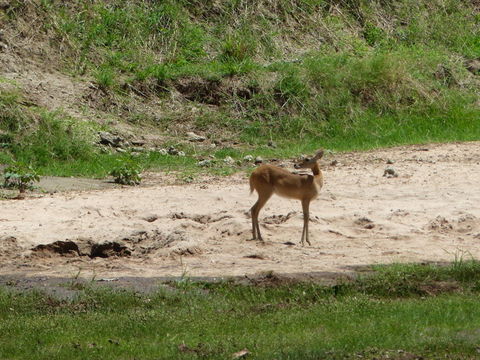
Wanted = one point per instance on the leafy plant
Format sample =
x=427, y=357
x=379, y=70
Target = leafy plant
x=20, y=176
x=238, y=47
x=127, y=173
x=105, y=77
x=372, y=34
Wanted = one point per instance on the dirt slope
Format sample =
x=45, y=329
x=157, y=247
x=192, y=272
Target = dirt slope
x=430, y=212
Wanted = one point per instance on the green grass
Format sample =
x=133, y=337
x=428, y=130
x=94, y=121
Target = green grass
x=307, y=74
x=371, y=316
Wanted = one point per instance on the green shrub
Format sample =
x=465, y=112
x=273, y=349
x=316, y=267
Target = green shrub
x=127, y=173
x=238, y=47
x=291, y=87
x=373, y=35
x=105, y=77
x=54, y=139
x=19, y=176
x=13, y=118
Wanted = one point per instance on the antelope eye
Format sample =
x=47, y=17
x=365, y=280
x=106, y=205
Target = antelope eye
x=307, y=159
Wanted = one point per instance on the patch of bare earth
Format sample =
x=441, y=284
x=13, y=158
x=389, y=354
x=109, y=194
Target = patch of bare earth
x=429, y=212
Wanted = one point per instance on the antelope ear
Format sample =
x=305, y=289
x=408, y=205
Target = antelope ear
x=319, y=154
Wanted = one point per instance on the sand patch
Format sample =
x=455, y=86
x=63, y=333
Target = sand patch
x=429, y=212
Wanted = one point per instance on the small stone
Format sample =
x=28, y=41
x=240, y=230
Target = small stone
x=172, y=151
x=104, y=150
x=229, y=160
x=241, y=354
x=109, y=139
x=195, y=137
x=390, y=172
x=272, y=144
x=248, y=158
x=334, y=163
x=473, y=66
x=150, y=218
x=205, y=163
x=120, y=150
x=181, y=153
x=137, y=149
x=258, y=160
x=138, y=142
x=389, y=161
x=163, y=152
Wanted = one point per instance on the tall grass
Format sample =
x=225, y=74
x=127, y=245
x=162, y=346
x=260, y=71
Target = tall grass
x=337, y=73
x=378, y=99
x=132, y=35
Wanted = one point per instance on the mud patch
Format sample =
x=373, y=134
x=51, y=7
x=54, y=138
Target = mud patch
x=109, y=249
x=202, y=219
x=9, y=245
x=465, y=223
x=213, y=92
x=157, y=242
x=201, y=90
x=189, y=250
x=365, y=222
x=256, y=256
x=148, y=240
x=70, y=248
x=181, y=245
x=98, y=98
x=138, y=244
x=279, y=219
x=440, y=224
x=64, y=248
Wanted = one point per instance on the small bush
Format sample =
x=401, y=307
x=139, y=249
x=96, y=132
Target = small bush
x=12, y=117
x=127, y=173
x=291, y=87
x=20, y=176
x=54, y=139
x=373, y=35
x=105, y=77
x=238, y=47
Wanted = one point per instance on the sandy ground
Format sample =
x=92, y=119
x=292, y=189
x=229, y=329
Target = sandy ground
x=430, y=212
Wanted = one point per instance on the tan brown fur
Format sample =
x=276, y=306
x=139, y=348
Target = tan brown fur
x=268, y=180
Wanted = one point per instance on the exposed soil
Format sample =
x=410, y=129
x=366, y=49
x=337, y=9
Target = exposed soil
x=429, y=212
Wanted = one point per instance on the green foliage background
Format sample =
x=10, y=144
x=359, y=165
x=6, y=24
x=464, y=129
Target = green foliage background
x=342, y=74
